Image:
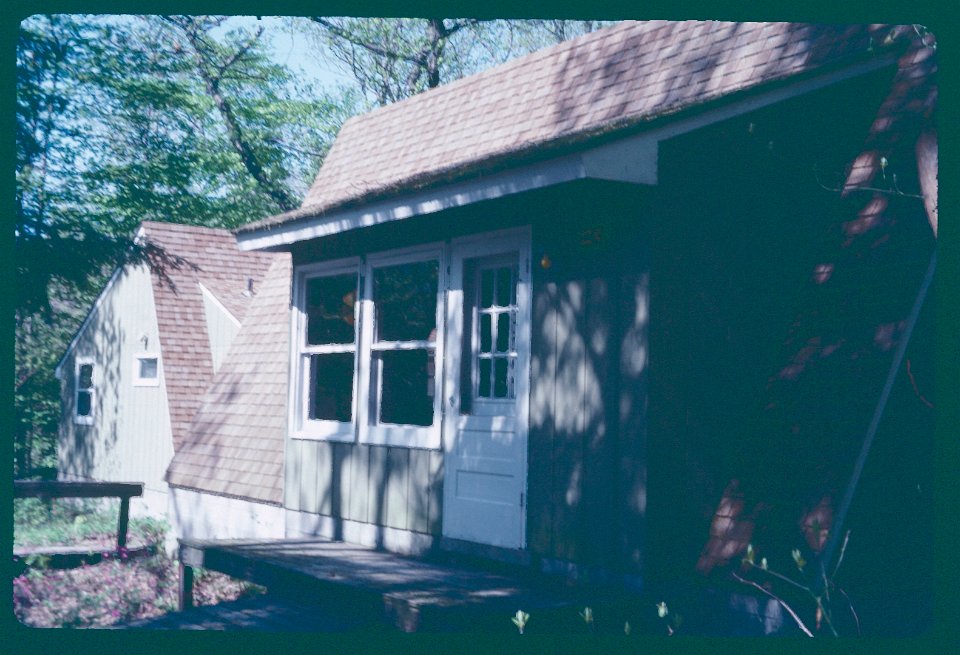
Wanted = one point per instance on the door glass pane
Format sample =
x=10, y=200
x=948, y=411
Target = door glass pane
x=484, y=387
x=330, y=314
x=486, y=288
x=331, y=387
x=503, y=377
x=504, y=331
x=485, y=337
x=406, y=387
x=506, y=289
x=405, y=298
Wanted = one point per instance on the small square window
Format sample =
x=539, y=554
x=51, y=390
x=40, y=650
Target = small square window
x=146, y=370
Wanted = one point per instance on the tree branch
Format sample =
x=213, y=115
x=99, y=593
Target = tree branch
x=779, y=600
x=352, y=38
x=235, y=133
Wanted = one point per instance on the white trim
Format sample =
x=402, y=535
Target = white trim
x=141, y=381
x=297, y=397
x=629, y=159
x=477, y=246
x=386, y=434
x=58, y=371
x=219, y=305
x=86, y=419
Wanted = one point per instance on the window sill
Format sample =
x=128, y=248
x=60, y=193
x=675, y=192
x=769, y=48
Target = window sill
x=425, y=438
x=339, y=437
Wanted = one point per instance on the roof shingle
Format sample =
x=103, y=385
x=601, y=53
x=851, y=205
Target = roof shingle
x=184, y=256
x=607, y=80
x=234, y=445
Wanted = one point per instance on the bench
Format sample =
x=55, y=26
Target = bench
x=56, y=489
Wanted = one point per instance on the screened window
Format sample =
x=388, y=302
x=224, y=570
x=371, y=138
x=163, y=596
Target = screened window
x=85, y=392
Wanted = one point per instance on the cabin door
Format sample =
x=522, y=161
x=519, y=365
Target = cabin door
x=487, y=389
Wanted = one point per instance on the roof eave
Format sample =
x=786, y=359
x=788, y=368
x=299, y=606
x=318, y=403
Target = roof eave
x=277, y=231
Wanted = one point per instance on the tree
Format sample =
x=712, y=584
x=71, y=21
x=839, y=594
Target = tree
x=121, y=120
x=394, y=58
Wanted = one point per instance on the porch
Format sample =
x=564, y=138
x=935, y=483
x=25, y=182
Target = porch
x=361, y=586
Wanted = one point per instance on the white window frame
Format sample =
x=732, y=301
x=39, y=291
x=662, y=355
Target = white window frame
x=490, y=405
x=92, y=390
x=139, y=381
x=302, y=427
x=410, y=436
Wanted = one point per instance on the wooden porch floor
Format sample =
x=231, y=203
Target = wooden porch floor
x=360, y=585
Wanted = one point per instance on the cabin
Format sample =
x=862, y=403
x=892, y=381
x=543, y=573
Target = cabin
x=155, y=337
x=613, y=310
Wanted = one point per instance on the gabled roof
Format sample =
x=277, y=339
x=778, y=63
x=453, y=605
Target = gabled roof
x=184, y=257
x=234, y=446
x=609, y=80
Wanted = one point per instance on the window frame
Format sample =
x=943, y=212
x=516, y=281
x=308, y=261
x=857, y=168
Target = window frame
x=84, y=419
x=140, y=381
x=489, y=405
x=392, y=434
x=302, y=427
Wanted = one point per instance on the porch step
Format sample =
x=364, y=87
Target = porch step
x=411, y=594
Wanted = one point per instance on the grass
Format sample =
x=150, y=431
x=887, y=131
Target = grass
x=60, y=522
x=115, y=590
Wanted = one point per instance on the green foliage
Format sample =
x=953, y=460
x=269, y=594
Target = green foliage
x=115, y=125
x=38, y=522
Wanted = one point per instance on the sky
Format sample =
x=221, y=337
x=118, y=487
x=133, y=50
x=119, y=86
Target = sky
x=293, y=50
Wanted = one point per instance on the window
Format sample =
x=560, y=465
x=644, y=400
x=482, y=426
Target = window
x=326, y=351
x=146, y=370
x=368, y=369
x=490, y=349
x=85, y=392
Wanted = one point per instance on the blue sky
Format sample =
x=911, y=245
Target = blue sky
x=294, y=50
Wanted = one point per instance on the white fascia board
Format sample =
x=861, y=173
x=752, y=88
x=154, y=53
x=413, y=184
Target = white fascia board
x=58, y=371
x=630, y=159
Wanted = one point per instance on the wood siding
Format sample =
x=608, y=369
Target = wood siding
x=386, y=486
x=130, y=437
x=587, y=464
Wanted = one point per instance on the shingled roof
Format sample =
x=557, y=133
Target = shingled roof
x=180, y=257
x=235, y=444
x=608, y=80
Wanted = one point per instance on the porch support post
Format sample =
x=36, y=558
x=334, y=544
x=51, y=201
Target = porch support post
x=185, y=592
x=123, y=522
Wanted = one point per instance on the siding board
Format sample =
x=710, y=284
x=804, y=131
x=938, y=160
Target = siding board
x=398, y=471
x=568, y=420
x=325, y=477
x=435, y=493
x=308, y=477
x=598, y=516
x=543, y=364
x=358, y=500
x=418, y=491
x=632, y=476
x=377, y=485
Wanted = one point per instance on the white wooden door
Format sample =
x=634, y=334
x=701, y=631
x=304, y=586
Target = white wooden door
x=486, y=389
